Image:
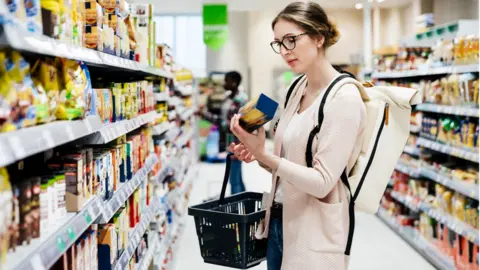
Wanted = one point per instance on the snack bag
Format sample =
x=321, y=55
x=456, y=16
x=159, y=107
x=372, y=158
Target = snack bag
x=24, y=113
x=74, y=84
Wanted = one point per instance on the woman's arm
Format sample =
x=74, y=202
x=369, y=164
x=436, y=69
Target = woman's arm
x=340, y=127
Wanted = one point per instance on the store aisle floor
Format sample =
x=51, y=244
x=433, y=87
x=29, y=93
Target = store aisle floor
x=375, y=246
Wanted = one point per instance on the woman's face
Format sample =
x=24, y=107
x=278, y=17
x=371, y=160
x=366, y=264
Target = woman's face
x=305, y=50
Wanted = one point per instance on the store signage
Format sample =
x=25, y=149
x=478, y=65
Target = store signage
x=215, y=25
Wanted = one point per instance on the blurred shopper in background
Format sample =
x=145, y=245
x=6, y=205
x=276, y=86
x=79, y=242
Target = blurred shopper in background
x=234, y=100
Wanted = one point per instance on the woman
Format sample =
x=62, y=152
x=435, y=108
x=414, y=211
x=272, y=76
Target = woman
x=307, y=212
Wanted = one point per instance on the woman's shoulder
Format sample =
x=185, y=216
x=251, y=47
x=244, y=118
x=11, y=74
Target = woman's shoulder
x=348, y=93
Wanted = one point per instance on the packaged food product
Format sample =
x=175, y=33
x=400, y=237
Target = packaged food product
x=16, y=8
x=46, y=79
x=44, y=205
x=74, y=177
x=107, y=105
x=458, y=205
x=25, y=217
x=6, y=208
x=51, y=18
x=61, y=191
x=34, y=16
x=75, y=82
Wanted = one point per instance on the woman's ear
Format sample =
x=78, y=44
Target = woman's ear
x=320, y=41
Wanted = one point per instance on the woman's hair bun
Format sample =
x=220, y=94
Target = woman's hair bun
x=333, y=34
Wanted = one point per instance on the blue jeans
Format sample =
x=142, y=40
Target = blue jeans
x=275, y=245
x=236, y=180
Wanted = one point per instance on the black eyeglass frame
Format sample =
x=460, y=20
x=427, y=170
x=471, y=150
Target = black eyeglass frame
x=283, y=44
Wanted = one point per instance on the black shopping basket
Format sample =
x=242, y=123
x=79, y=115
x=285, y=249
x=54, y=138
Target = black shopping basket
x=226, y=228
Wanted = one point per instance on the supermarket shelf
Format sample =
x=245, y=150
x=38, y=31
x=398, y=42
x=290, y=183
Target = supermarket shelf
x=412, y=150
x=135, y=236
x=470, y=190
x=43, y=253
x=161, y=97
x=406, y=200
x=186, y=114
x=452, y=110
x=427, y=250
x=184, y=139
x=451, y=222
x=126, y=190
x=415, y=128
x=160, y=129
x=112, y=131
x=19, y=38
x=17, y=145
x=426, y=72
x=406, y=169
x=464, y=153
x=148, y=257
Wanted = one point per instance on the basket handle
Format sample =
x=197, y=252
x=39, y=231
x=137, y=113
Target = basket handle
x=225, y=178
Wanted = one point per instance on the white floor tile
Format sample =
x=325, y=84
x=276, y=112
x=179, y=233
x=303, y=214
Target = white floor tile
x=375, y=246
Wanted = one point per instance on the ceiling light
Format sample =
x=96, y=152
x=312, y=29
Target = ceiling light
x=358, y=6
x=380, y=1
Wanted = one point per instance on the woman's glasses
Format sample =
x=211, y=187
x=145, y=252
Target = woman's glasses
x=288, y=43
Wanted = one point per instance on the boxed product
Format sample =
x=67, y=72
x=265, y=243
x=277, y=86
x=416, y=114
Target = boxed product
x=107, y=246
x=34, y=16
x=75, y=180
x=257, y=112
x=16, y=8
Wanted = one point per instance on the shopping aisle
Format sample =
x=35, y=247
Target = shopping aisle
x=375, y=245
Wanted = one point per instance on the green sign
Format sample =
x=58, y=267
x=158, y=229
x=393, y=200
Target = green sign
x=215, y=25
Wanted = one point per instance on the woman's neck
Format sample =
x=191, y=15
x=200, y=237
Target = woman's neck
x=320, y=75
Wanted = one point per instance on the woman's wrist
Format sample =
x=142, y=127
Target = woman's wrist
x=268, y=159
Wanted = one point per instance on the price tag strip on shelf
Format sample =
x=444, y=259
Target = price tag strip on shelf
x=468, y=154
x=452, y=110
x=454, y=224
x=43, y=253
x=470, y=190
x=404, y=168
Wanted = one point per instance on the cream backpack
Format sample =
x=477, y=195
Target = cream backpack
x=386, y=132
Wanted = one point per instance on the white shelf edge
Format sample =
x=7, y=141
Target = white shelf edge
x=20, y=38
x=469, y=190
x=451, y=110
x=427, y=72
x=47, y=251
x=449, y=150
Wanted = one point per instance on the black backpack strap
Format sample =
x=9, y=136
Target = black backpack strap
x=289, y=93
x=290, y=90
x=316, y=129
x=343, y=177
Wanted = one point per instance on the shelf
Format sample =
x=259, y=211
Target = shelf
x=467, y=154
x=126, y=190
x=412, y=150
x=148, y=257
x=161, y=97
x=426, y=249
x=451, y=222
x=19, y=38
x=452, y=110
x=135, y=236
x=426, y=72
x=44, y=252
x=17, y=145
x=415, y=128
x=110, y=132
x=162, y=128
x=186, y=113
x=406, y=169
x=470, y=190
x=184, y=139
x=406, y=200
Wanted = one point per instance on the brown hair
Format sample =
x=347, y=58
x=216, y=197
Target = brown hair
x=312, y=18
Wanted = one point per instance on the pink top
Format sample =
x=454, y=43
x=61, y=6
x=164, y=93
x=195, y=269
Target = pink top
x=315, y=204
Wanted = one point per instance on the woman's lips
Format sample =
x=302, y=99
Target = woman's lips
x=292, y=62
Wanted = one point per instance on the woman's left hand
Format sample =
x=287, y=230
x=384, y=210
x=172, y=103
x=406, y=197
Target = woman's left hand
x=255, y=143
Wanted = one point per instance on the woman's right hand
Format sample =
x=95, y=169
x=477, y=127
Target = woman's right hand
x=241, y=152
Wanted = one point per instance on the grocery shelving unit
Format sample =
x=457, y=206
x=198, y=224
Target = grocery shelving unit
x=417, y=242
x=417, y=169
x=44, y=252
